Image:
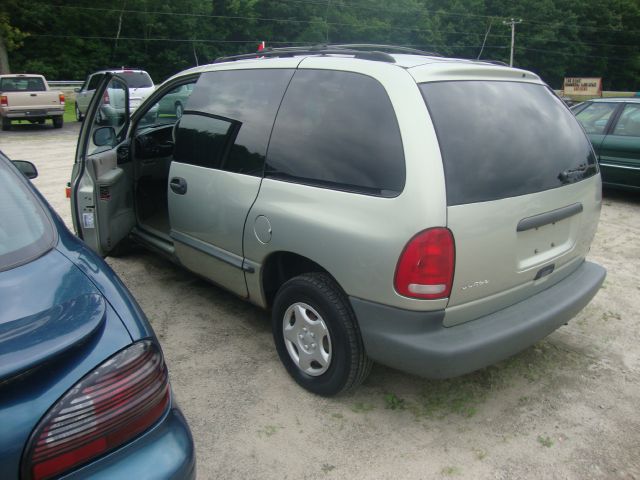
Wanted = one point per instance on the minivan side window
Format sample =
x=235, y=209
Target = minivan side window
x=337, y=130
x=229, y=119
x=201, y=140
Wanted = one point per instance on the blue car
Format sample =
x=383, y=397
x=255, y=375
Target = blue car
x=84, y=391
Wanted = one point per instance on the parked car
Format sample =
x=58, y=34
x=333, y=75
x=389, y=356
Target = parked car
x=173, y=103
x=84, y=391
x=28, y=97
x=430, y=214
x=139, y=82
x=613, y=126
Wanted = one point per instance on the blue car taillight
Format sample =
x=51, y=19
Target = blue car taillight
x=111, y=405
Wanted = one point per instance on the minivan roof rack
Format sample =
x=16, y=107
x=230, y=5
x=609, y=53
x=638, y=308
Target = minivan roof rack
x=495, y=62
x=321, y=49
x=387, y=48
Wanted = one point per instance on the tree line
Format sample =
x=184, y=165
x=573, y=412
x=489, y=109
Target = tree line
x=67, y=39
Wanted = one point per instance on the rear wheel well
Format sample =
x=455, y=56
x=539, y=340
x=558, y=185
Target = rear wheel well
x=282, y=266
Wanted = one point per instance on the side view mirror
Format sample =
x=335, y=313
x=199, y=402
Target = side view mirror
x=77, y=89
x=28, y=169
x=104, y=136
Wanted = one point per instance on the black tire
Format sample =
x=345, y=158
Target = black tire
x=6, y=124
x=349, y=364
x=179, y=110
x=79, y=116
x=58, y=122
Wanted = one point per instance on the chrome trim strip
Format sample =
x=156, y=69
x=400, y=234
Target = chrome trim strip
x=625, y=167
x=549, y=217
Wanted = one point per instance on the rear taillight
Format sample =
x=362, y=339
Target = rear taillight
x=425, y=268
x=105, y=98
x=4, y=101
x=61, y=98
x=110, y=406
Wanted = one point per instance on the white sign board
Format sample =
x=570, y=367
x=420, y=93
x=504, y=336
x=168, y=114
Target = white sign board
x=583, y=86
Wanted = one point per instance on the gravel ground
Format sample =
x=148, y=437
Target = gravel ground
x=565, y=408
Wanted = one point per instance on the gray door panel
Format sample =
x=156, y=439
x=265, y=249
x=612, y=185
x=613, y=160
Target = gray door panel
x=207, y=222
x=102, y=190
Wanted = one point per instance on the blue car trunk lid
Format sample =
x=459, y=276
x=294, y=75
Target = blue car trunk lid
x=48, y=307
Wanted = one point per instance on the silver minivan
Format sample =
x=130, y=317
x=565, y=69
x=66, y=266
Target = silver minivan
x=426, y=213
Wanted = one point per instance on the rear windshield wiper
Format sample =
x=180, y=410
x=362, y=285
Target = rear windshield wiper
x=571, y=175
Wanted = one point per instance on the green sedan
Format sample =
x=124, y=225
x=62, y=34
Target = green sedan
x=613, y=126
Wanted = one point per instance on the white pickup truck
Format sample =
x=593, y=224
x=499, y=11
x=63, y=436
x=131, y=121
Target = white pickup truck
x=28, y=97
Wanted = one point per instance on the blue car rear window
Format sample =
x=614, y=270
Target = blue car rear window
x=26, y=232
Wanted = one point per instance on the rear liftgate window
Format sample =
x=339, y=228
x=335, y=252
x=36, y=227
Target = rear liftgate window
x=504, y=139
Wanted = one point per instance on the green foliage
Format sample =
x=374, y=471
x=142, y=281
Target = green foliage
x=392, y=402
x=557, y=38
x=545, y=441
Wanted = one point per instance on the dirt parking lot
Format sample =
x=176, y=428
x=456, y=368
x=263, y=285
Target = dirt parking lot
x=569, y=407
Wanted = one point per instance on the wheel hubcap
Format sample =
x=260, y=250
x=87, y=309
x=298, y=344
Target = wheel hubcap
x=307, y=339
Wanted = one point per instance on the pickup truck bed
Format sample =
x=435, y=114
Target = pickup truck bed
x=28, y=97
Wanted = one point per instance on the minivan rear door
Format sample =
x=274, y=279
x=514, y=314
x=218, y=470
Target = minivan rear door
x=523, y=192
x=102, y=176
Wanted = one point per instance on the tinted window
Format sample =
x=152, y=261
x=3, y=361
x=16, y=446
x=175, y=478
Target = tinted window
x=249, y=99
x=136, y=79
x=25, y=230
x=94, y=81
x=338, y=130
x=169, y=108
x=202, y=140
x=503, y=139
x=629, y=122
x=594, y=117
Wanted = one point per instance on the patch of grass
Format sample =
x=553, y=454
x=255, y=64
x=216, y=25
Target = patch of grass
x=480, y=454
x=545, y=441
x=268, y=430
x=450, y=471
x=337, y=415
x=392, y=402
x=608, y=315
x=361, y=407
x=69, y=110
x=326, y=468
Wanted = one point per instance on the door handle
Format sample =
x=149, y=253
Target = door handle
x=178, y=185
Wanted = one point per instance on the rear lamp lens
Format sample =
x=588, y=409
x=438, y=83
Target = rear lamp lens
x=61, y=98
x=425, y=268
x=110, y=406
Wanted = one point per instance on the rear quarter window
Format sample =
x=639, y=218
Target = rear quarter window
x=337, y=130
x=503, y=139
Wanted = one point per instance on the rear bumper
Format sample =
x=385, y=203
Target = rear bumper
x=416, y=342
x=33, y=114
x=165, y=452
